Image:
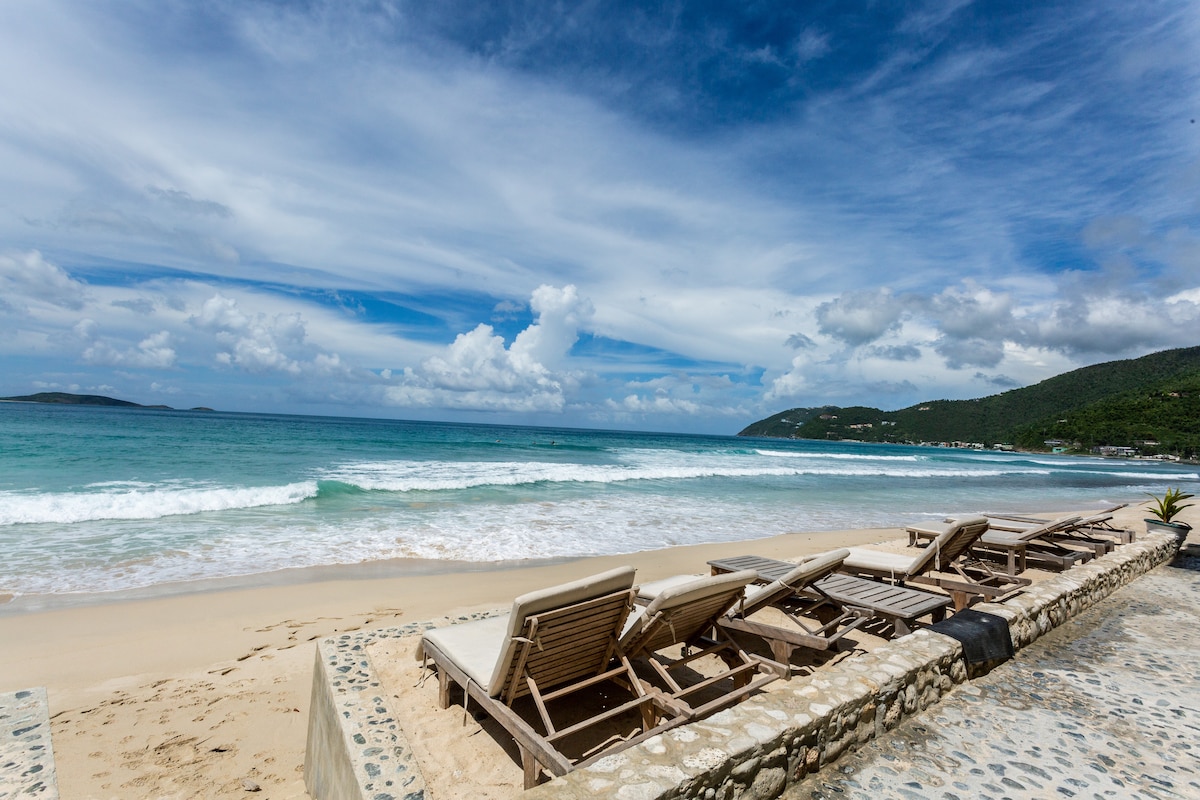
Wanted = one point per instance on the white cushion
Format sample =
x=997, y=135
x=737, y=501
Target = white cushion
x=876, y=561
x=473, y=646
x=651, y=590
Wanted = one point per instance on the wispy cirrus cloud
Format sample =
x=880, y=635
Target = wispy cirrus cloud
x=750, y=206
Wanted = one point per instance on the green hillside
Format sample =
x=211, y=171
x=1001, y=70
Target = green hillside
x=1131, y=403
x=65, y=399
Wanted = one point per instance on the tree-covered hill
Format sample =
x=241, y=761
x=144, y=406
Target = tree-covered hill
x=63, y=398
x=67, y=399
x=1131, y=403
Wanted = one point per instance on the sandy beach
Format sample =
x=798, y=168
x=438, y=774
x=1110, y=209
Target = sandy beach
x=206, y=694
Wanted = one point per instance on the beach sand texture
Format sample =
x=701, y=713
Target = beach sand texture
x=206, y=695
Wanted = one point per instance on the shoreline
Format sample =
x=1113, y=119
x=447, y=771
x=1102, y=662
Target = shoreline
x=379, y=570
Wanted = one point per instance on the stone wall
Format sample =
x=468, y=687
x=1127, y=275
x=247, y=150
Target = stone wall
x=752, y=751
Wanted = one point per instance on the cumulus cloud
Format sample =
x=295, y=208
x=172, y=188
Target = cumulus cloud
x=798, y=341
x=1117, y=324
x=791, y=384
x=896, y=352
x=506, y=310
x=861, y=317
x=972, y=311
x=477, y=371
x=972, y=352
x=153, y=352
x=679, y=395
x=560, y=314
x=27, y=277
x=253, y=342
x=657, y=403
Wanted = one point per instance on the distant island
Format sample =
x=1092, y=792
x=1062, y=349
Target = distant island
x=64, y=398
x=1142, y=407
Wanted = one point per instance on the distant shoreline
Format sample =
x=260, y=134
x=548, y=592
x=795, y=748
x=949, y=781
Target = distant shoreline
x=68, y=399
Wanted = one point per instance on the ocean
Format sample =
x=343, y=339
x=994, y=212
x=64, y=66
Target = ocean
x=101, y=500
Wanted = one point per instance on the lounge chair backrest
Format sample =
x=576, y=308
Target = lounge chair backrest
x=810, y=571
x=949, y=545
x=1048, y=527
x=562, y=633
x=681, y=613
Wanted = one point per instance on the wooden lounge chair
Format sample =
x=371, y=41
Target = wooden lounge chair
x=1091, y=523
x=812, y=618
x=554, y=643
x=687, y=614
x=1047, y=545
x=900, y=606
x=1017, y=544
x=1100, y=526
x=963, y=576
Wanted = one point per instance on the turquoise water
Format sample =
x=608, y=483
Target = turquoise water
x=101, y=499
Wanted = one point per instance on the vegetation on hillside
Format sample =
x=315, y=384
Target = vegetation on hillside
x=67, y=399
x=1150, y=403
x=63, y=398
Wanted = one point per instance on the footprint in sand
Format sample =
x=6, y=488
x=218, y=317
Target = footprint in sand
x=258, y=649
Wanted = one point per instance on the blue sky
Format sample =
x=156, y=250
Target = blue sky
x=685, y=217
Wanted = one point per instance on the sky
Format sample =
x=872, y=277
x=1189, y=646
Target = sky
x=670, y=217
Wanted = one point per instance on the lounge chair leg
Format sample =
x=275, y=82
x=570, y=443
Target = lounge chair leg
x=443, y=689
x=781, y=651
x=532, y=768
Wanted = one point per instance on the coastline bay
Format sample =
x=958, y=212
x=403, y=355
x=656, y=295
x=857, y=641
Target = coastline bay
x=103, y=502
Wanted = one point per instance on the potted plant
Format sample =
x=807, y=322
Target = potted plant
x=1164, y=509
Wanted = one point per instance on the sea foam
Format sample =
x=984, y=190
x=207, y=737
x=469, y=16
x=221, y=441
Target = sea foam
x=145, y=503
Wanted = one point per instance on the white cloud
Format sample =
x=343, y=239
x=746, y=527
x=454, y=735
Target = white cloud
x=972, y=311
x=478, y=372
x=28, y=278
x=954, y=171
x=791, y=384
x=255, y=343
x=970, y=352
x=860, y=317
x=153, y=352
x=1117, y=324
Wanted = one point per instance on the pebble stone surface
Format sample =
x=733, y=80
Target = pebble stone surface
x=26, y=756
x=1105, y=706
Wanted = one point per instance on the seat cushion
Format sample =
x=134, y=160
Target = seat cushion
x=648, y=591
x=472, y=646
x=876, y=561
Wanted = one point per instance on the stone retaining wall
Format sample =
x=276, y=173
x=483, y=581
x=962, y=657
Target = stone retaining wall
x=753, y=750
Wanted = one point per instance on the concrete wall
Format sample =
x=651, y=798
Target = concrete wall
x=753, y=751
x=26, y=755
x=355, y=749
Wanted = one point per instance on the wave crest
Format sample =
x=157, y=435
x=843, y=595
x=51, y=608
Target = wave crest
x=26, y=508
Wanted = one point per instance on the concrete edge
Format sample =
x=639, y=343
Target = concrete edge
x=355, y=747
x=754, y=750
x=27, y=766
